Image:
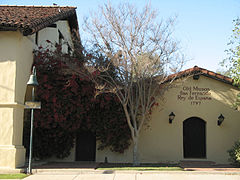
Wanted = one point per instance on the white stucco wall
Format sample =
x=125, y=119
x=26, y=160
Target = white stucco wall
x=163, y=142
x=64, y=28
x=15, y=63
x=52, y=34
x=16, y=58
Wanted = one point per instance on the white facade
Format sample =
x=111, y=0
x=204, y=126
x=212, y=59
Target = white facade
x=16, y=58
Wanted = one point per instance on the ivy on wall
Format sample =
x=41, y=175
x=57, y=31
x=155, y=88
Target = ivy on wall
x=69, y=105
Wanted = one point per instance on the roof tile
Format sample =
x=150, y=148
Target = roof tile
x=200, y=71
x=29, y=19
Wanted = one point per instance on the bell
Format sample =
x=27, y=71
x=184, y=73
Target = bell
x=33, y=78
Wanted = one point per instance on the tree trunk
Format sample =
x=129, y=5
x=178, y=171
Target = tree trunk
x=135, y=151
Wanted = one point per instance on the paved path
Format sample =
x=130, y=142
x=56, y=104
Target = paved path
x=134, y=175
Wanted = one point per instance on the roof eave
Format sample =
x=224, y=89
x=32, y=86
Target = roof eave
x=200, y=71
x=8, y=28
x=48, y=21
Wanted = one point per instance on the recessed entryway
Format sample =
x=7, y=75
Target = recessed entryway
x=85, y=146
x=194, y=138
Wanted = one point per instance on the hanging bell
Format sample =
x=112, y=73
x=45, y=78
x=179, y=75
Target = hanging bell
x=33, y=78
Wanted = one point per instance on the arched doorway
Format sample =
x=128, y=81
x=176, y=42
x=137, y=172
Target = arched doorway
x=85, y=146
x=194, y=138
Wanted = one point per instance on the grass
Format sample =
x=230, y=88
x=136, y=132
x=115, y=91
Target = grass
x=13, y=176
x=141, y=167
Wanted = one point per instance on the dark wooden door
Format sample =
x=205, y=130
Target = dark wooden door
x=194, y=138
x=85, y=146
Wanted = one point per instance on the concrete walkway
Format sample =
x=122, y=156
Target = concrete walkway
x=134, y=175
x=82, y=171
x=91, y=174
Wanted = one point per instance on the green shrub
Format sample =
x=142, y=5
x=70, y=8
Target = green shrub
x=234, y=153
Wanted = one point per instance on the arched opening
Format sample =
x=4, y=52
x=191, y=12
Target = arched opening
x=194, y=138
x=85, y=146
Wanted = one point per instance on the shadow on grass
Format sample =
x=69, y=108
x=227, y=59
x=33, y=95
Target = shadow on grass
x=109, y=167
x=130, y=165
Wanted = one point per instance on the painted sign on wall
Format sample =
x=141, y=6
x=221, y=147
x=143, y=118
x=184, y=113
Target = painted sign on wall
x=194, y=94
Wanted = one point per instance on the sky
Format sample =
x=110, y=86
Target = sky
x=203, y=27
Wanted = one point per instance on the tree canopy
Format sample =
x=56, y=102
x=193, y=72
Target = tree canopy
x=141, y=48
x=232, y=62
x=69, y=106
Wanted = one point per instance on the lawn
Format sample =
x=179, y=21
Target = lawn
x=144, y=168
x=13, y=176
x=141, y=167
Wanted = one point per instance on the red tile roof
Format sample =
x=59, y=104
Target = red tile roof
x=30, y=19
x=200, y=71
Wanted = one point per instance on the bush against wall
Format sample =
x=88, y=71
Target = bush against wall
x=69, y=105
x=234, y=153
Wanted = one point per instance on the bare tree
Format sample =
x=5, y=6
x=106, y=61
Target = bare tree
x=143, y=53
